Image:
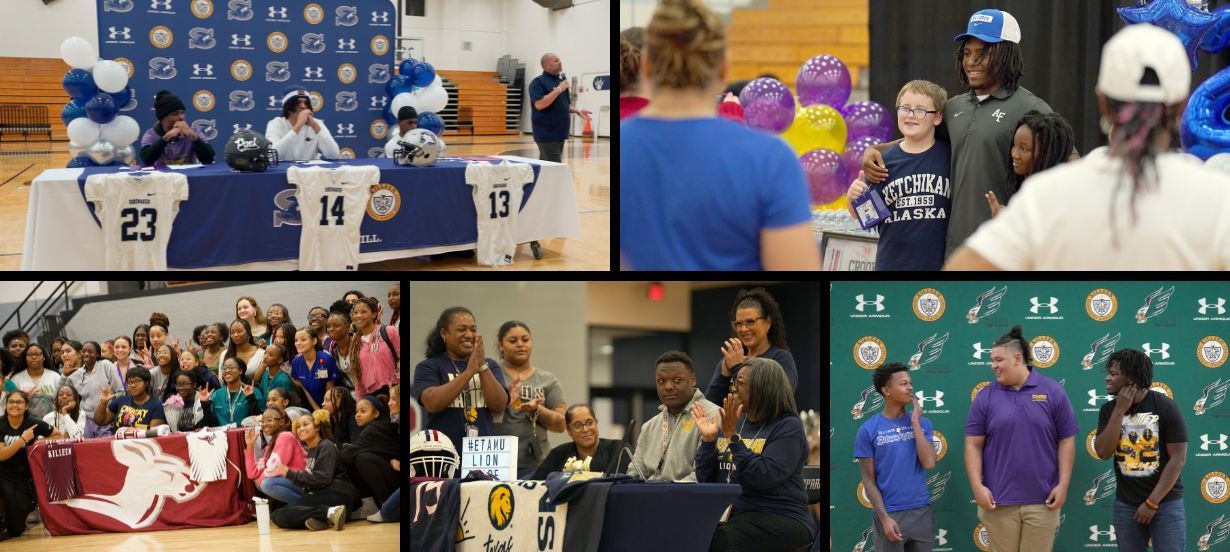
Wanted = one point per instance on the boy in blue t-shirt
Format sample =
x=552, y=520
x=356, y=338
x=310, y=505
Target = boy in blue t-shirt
x=893, y=455
x=919, y=194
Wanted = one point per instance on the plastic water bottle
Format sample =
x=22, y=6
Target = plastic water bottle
x=262, y=515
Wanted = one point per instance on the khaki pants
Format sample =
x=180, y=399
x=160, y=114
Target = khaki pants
x=1020, y=528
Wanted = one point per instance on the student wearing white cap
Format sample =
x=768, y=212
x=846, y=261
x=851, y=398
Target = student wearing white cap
x=1133, y=205
x=980, y=123
x=298, y=135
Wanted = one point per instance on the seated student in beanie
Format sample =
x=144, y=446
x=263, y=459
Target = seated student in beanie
x=586, y=451
x=666, y=448
x=763, y=450
x=298, y=135
x=919, y=192
x=407, y=120
x=1146, y=436
x=171, y=141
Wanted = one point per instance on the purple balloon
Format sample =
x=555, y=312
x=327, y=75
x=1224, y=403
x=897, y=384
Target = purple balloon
x=823, y=79
x=867, y=118
x=854, y=154
x=767, y=105
x=826, y=175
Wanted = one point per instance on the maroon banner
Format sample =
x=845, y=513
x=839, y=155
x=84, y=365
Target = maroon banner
x=144, y=485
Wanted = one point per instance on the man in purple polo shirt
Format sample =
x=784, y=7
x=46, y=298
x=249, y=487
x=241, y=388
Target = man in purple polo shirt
x=1020, y=444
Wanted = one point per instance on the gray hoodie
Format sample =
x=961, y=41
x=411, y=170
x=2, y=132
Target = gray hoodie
x=682, y=438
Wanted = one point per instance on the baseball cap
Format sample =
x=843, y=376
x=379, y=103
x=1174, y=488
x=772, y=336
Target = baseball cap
x=992, y=26
x=1128, y=57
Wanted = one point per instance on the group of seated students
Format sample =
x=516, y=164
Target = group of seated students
x=755, y=438
x=297, y=133
x=319, y=402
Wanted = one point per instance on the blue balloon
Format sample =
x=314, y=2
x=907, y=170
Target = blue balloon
x=72, y=110
x=1190, y=24
x=398, y=84
x=407, y=67
x=122, y=98
x=79, y=84
x=424, y=74
x=1205, y=131
x=1219, y=35
x=80, y=162
x=101, y=109
x=431, y=121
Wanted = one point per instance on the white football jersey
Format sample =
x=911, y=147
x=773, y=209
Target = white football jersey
x=332, y=203
x=497, y=198
x=136, y=211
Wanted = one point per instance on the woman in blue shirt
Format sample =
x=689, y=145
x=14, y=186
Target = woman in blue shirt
x=698, y=192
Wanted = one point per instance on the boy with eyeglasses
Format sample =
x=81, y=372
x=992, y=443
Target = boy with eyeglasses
x=918, y=195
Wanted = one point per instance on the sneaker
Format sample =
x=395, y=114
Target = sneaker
x=337, y=515
x=375, y=518
x=368, y=508
x=314, y=524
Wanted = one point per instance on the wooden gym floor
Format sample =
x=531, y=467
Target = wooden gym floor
x=21, y=162
x=355, y=536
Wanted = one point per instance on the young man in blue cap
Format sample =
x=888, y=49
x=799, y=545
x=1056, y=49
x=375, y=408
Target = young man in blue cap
x=979, y=124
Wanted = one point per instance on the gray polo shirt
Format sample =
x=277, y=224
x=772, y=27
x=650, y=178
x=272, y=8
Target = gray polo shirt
x=981, y=137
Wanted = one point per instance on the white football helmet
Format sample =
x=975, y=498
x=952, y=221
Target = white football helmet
x=419, y=147
x=432, y=455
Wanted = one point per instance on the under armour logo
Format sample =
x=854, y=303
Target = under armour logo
x=938, y=399
x=238, y=128
x=160, y=4
x=978, y=350
x=879, y=302
x=1094, y=533
x=999, y=116
x=942, y=537
x=125, y=33
x=273, y=101
x=1094, y=397
x=379, y=101
x=245, y=40
x=1038, y=304
x=198, y=69
x=345, y=44
x=279, y=13
x=380, y=17
x=345, y=128
x=1205, y=442
x=1220, y=305
x=313, y=72
x=1163, y=351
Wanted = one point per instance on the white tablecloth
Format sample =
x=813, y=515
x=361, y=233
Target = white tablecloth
x=62, y=235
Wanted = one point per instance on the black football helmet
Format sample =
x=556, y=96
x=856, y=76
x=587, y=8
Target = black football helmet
x=250, y=152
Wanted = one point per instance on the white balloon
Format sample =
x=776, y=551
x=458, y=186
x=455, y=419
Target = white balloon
x=122, y=131
x=402, y=100
x=102, y=152
x=1220, y=162
x=75, y=149
x=83, y=131
x=78, y=52
x=110, y=76
x=126, y=154
x=433, y=98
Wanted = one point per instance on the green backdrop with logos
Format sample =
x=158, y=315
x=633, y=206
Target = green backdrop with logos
x=944, y=331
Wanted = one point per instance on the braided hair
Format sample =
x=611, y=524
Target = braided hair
x=1135, y=130
x=1004, y=64
x=1134, y=365
x=1015, y=340
x=1053, y=141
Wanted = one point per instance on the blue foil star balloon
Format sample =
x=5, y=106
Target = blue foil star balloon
x=1190, y=24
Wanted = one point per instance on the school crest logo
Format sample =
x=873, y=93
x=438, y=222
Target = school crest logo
x=1101, y=304
x=929, y=304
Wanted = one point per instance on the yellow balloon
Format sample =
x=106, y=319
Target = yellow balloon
x=816, y=127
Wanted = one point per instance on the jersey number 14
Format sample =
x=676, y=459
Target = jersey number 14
x=338, y=210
